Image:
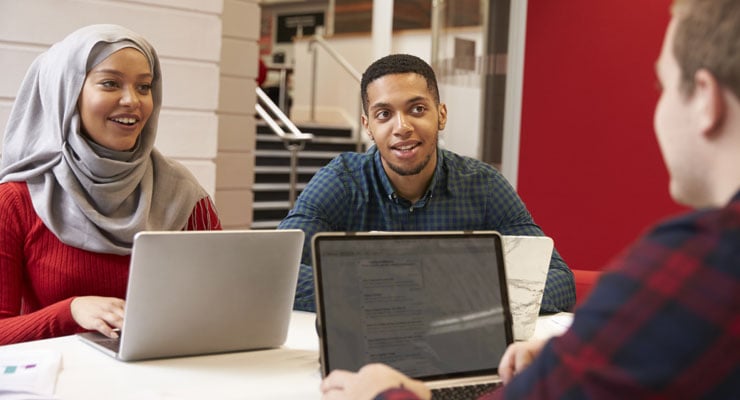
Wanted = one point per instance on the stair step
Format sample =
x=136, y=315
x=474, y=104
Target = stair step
x=282, y=158
x=280, y=178
x=302, y=154
x=265, y=224
x=267, y=187
x=317, y=162
x=309, y=146
x=270, y=169
x=271, y=205
x=277, y=196
x=269, y=214
x=322, y=130
x=271, y=137
x=339, y=145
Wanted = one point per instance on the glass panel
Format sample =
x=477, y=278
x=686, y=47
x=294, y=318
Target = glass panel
x=469, y=56
x=355, y=16
x=457, y=50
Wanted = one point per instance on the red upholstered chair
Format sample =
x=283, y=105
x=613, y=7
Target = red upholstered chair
x=585, y=281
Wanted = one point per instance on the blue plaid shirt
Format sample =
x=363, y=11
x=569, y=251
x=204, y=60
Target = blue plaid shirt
x=353, y=193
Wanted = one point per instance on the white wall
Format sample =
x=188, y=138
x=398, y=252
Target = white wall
x=207, y=66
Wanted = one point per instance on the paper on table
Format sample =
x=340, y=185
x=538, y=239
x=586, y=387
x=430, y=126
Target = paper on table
x=563, y=320
x=29, y=374
x=552, y=325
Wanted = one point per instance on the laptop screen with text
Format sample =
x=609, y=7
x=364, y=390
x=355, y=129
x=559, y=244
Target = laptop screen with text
x=432, y=305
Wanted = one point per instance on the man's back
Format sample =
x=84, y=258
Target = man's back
x=663, y=321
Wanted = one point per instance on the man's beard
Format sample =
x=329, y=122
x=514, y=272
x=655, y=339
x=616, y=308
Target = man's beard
x=410, y=171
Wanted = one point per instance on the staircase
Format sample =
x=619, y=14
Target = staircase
x=272, y=168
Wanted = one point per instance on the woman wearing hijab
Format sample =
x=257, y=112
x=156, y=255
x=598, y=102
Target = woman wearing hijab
x=79, y=177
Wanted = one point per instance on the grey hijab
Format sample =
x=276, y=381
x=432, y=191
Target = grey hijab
x=89, y=196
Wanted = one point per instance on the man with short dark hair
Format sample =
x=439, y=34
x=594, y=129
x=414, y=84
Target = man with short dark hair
x=664, y=320
x=405, y=182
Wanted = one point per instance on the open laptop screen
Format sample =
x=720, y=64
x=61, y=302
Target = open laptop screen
x=432, y=305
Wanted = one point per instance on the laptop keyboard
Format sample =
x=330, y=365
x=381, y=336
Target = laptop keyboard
x=468, y=392
x=109, y=343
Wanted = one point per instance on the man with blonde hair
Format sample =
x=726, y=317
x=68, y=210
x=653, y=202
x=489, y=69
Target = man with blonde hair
x=664, y=320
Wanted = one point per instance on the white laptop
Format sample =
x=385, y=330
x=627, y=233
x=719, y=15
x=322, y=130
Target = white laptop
x=527, y=260
x=433, y=305
x=203, y=292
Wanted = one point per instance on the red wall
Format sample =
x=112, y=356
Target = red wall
x=590, y=169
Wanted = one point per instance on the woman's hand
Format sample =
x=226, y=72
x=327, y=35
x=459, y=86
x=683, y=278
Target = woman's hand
x=368, y=382
x=102, y=314
x=517, y=357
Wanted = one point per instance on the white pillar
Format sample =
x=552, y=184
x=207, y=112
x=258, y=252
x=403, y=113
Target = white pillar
x=514, y=88
x=382, y=27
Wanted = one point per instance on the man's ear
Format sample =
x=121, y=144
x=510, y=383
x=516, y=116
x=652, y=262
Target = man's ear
x=709, y=102
x=442, y=114
x=365, y=125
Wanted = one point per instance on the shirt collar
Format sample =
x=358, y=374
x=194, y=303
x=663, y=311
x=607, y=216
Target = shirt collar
x=736, y=197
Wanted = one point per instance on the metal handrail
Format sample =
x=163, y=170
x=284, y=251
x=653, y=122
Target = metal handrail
x=318, y=39
x=294, y=141
x=335, y=55
x=297, y=134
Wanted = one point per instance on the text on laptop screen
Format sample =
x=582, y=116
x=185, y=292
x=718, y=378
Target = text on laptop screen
x=431, y=306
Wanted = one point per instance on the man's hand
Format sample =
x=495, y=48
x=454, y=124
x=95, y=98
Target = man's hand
x=368, y=382
x=517, y=357
x=102, y=314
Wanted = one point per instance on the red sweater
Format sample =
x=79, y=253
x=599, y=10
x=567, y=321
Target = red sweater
x=40, y=276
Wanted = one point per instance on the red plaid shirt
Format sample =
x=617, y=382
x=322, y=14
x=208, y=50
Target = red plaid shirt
x=662, y=323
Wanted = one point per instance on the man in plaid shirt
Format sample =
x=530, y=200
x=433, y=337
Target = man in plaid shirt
x=664, y=320
x=406, y=182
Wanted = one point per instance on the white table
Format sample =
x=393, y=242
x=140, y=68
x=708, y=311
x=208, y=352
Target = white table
x=290, y=372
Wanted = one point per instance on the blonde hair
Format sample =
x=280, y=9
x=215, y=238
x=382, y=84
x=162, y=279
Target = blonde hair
x=708, y=37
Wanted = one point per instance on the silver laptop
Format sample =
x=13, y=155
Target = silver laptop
x=433, y=305
x=527, y=260
x=203, y=292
